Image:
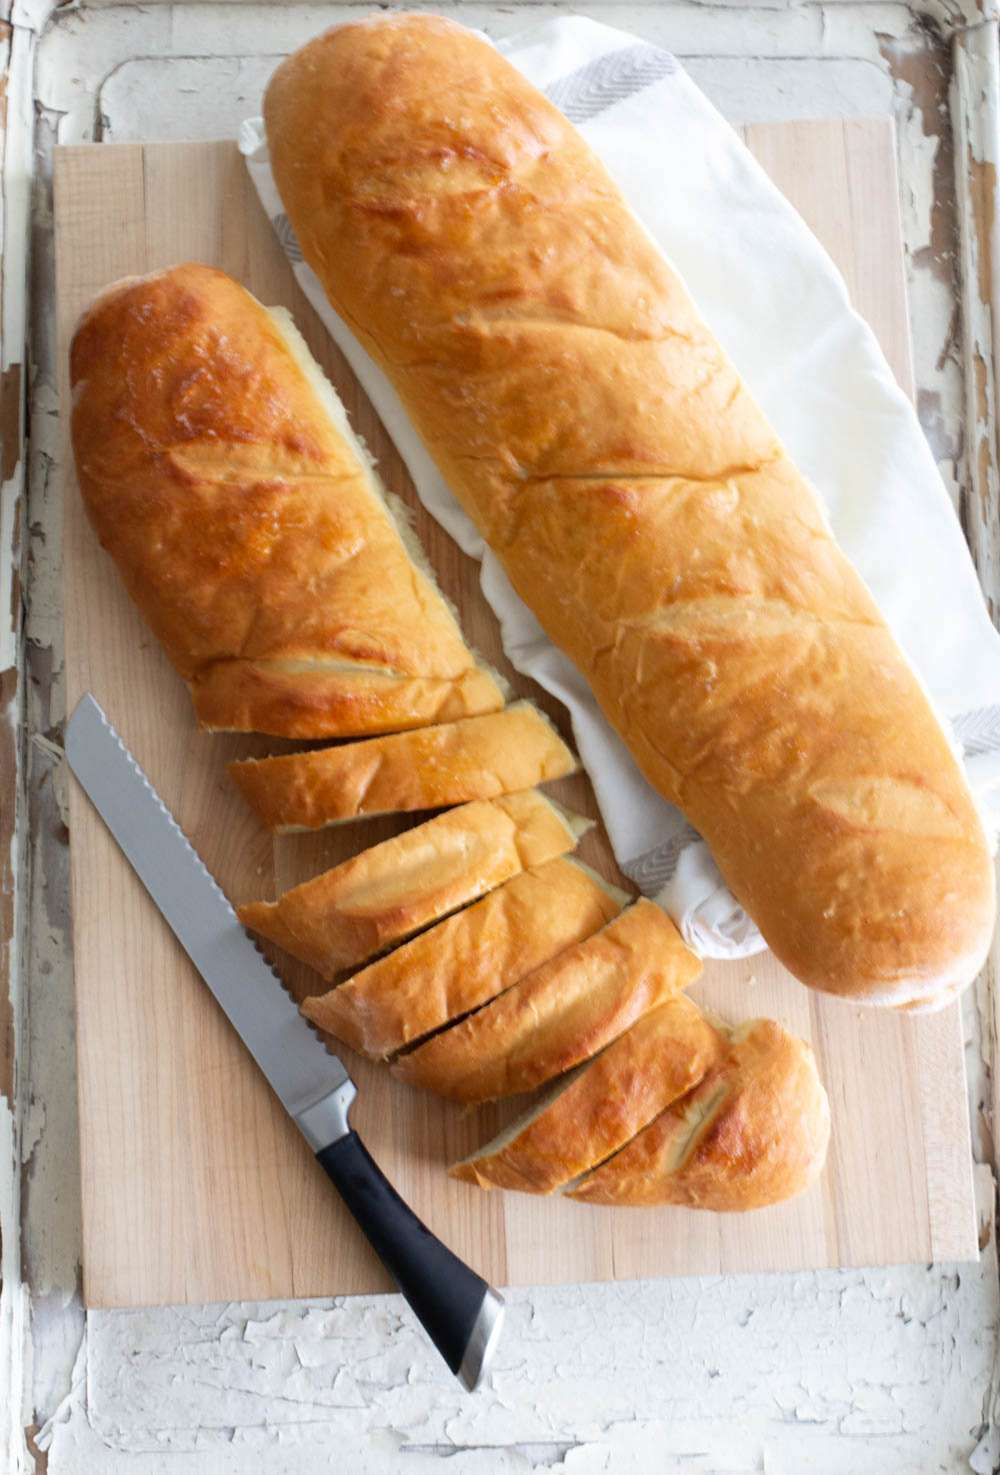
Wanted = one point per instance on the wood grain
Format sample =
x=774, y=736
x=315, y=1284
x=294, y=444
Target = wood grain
x=195, y=1186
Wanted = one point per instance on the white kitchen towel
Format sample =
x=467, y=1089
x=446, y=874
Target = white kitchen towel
x=779, y=306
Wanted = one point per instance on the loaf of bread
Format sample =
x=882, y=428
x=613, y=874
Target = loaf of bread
x=475, y=758
x=754, y=1132
x=466, y=960
x=638, y=499
x=559, y=1015
x=601, y=1106
x=349, y=913
x=218, y=469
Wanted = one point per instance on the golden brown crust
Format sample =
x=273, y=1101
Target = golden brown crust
x=663, y=1056
x=640, y=503
x=476, y=758
x=562, y=1013
x=302, y=700
x=365, y=904
x=754, y=1132
x=245, y=524
x=466, y=960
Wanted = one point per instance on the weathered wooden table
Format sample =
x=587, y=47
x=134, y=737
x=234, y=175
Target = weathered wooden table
x=878, y=1371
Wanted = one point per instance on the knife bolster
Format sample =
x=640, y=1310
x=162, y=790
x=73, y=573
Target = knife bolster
x=326, y=1120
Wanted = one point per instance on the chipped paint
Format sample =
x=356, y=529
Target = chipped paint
x=17, y=47
x=976, y=103
x=982, y=197
x=11, y=416
x=8, y=856
x=14, y=1311
x=886, y=1374
x=920, y=66
x=891, y=1369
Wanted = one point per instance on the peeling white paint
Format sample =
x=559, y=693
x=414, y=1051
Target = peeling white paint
x=866, y=1372
x=978, y=94
x=14, y=1309
x=175, y=98
x=16, y=169
x=52, y=1181
x=32, y=1126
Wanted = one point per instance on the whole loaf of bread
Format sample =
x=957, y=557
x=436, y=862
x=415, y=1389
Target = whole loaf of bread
x=641, y=504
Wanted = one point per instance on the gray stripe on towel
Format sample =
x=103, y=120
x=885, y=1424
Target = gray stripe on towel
x=653, y=870
x=609, y=79
x=287, y=238
x=978, y=731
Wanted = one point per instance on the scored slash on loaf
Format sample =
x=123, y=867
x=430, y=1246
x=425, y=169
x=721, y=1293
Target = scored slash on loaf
x=753, y=1133
x=347, y=914
x=467, y=959
x=638, y=500
x=596, y=1110
x=560, y=1014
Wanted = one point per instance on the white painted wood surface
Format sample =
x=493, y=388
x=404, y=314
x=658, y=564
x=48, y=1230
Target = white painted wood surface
x=872, y=1374
x=855, y=1372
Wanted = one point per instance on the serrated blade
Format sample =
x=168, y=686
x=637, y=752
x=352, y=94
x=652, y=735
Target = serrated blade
x=297, y=1064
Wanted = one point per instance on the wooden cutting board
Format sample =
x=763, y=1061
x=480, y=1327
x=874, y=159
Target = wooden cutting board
x=195, y=1186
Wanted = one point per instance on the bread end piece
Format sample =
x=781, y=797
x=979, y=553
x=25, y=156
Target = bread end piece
x=601, y=1105
x=754, y=1132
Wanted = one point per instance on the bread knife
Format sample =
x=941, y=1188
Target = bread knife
x=461, y=1314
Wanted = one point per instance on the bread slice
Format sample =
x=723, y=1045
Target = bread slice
x=349, y=913
x=597, y=1108
x=474, y=758
x=467, y=959
x=562, y=1013
x=754, y=1132
x=220, y=471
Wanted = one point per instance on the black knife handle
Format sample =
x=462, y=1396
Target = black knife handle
x=461, y=1314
